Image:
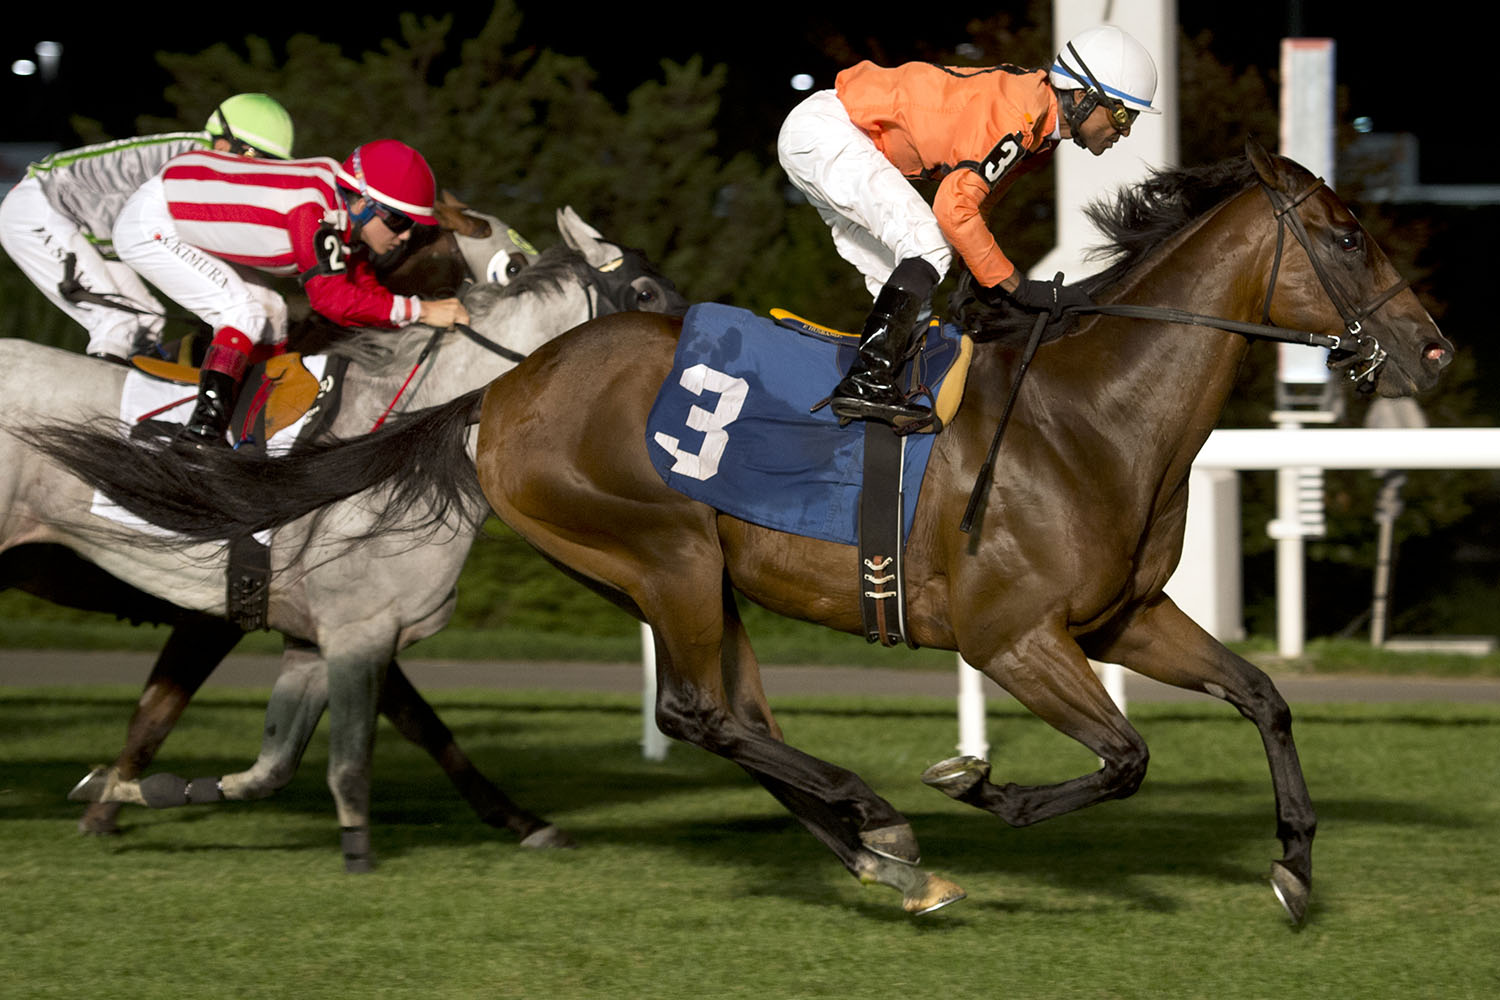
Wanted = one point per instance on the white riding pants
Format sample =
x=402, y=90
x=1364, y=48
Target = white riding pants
x=213, y=289
x=39, y=238
x=878, y=219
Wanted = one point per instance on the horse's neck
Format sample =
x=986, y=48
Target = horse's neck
x=456, y=364
x=1176, y=376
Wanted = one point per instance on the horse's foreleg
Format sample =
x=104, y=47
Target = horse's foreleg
x=1048, y=673
x=1163, y=643
x=356, y=665
x=192, y=651
x=415, y=719
x=292, y=713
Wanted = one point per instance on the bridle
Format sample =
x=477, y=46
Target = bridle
x=1361, y=356
x=1357, y=353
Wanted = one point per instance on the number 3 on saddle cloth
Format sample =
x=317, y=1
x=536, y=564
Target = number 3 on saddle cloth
x=282, y=398
x=731, y=428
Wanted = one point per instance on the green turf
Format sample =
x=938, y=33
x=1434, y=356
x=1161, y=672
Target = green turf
x=691, y=882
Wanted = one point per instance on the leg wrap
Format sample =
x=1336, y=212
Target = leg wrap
x=358, y=857
x=204, y=790
x=164, y=791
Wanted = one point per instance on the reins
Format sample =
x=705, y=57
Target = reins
x=474, y=336
x=1363, y=354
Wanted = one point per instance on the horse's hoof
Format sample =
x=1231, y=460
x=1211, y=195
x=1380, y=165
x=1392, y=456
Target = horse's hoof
x=359, y=858
x=548, y=836
x=1291, y=891
x=99, y=821
x=920, y=892
x=897, y=842
x=957, y=776
x=934, y=894
x=90, y=787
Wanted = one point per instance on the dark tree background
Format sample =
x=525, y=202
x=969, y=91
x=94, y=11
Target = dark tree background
x=662, y=163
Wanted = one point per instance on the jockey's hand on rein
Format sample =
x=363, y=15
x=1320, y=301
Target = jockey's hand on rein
x=1047, y=296
x=443, y=313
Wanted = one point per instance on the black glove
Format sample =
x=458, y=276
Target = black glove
x=1050, y=296
x=992, y=295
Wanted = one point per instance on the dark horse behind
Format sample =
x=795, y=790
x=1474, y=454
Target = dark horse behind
x=1081, y=529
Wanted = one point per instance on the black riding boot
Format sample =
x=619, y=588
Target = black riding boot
x=868, y=391
x=210, y=419
x=218, y=384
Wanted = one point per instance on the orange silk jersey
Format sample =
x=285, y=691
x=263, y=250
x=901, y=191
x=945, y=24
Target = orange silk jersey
x=976, y=128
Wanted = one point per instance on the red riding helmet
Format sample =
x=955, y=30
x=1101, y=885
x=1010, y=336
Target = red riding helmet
x=393, y=175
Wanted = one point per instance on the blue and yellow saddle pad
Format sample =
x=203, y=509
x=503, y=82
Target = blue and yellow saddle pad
x=730, y=426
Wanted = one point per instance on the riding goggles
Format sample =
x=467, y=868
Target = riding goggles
x=396, y=222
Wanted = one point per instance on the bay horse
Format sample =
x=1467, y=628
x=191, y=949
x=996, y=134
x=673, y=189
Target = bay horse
x=51, y=546
x=1081, y=527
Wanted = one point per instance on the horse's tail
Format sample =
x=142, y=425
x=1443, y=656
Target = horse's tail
x=218, y=493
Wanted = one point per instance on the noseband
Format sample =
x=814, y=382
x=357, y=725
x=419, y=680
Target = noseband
x=1360, y=354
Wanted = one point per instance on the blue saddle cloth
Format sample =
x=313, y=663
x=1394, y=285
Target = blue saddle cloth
x=730, y=426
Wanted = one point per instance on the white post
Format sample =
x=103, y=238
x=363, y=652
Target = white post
x=653, y=740
x=973, y=739
x=1112, y=676
x=1303, y=390
x=1291, y=601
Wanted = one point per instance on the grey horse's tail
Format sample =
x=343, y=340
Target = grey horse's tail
x=219, y=493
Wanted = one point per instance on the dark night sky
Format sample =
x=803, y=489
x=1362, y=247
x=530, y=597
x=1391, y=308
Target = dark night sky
x=108, y=71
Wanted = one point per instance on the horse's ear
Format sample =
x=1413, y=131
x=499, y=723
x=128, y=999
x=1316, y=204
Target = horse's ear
x=1264, y=163
x=585, y=238
x=449, y=198
x=456, y=217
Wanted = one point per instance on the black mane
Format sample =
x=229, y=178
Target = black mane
x=1143, y=217
x=1134, y=223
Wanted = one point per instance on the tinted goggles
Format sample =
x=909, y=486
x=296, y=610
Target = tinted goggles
x=1120, y=116
x=396, y=222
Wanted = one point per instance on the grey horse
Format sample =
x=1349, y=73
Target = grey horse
x=339, y=595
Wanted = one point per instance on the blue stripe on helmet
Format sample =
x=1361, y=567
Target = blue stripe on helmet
x=1058, y=67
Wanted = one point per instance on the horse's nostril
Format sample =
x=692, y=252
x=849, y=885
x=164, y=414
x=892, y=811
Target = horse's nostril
x=1437, y=353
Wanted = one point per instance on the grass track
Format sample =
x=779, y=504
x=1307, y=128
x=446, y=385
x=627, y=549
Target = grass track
x=692, y=882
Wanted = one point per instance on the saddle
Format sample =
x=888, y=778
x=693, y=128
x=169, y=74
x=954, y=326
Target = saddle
x=276, y=394
x=953, y=377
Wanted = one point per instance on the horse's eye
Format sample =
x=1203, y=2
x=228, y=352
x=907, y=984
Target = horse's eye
x=1348, y=242
x=645, y=296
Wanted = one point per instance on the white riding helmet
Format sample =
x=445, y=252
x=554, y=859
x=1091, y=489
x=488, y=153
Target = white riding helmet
x=1109, y=57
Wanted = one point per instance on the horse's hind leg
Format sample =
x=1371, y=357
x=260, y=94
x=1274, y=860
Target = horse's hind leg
x=868, y=835
x=1048, y=673
x=192, y=651
x=415, y=719
x=741, y=671
x=1163, y=643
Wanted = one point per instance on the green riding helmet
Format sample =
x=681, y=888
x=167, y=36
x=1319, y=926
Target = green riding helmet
x=253, y=120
